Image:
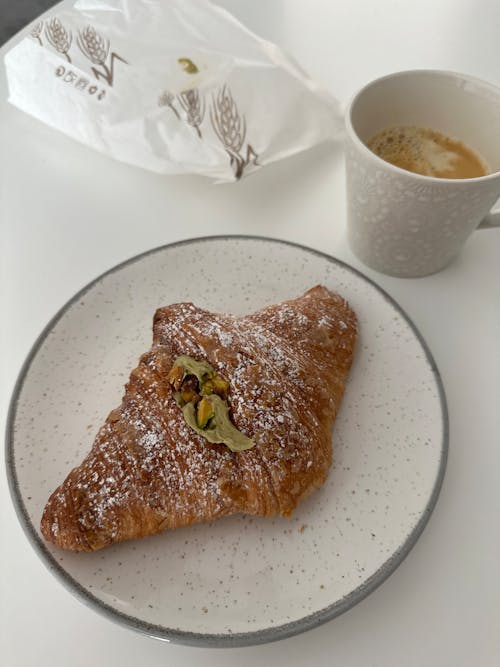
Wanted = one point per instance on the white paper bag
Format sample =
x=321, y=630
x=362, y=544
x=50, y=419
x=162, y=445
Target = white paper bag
x=173, y=86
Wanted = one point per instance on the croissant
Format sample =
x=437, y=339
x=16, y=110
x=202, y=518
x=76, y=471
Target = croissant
x=281, y=372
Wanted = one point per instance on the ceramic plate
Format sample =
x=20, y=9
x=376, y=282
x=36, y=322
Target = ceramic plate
x=238, y=580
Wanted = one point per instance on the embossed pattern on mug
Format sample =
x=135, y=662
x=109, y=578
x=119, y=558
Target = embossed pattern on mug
x=387, y=229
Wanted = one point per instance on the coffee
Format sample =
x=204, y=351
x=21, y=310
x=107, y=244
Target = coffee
x=427, y=152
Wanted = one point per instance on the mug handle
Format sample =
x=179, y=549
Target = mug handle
x=490, y=221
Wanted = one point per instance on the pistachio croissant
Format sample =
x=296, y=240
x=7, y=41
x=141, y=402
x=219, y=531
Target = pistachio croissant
x=281, y=374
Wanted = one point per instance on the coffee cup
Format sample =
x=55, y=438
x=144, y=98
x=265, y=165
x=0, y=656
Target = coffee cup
x=409, y=224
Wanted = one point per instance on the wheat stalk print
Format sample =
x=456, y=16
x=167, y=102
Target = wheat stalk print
x=58, y=37
x=36, y=31
x=230, y=128
x=227, y=122
x=166, y=99
x=95, y=47
x=194, y=105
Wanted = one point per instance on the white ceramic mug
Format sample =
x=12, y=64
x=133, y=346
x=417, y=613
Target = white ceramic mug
x=405, y=224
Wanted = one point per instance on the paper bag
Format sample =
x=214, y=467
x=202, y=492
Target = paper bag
x=173, y=86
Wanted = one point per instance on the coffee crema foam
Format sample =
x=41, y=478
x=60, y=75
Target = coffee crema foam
x=427, y=152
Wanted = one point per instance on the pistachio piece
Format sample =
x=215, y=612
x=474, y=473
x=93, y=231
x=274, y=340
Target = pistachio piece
x=175, y=376
x=220, y=387
x=204, y=413
x=189, y=396
x=207, y=388
x=189, y=389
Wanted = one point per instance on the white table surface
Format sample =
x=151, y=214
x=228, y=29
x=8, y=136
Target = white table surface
x=68, y=214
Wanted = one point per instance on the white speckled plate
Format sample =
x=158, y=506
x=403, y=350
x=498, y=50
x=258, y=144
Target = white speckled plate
x=239, y=580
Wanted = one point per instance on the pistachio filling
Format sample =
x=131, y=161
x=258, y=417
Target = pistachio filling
x=202, y=396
